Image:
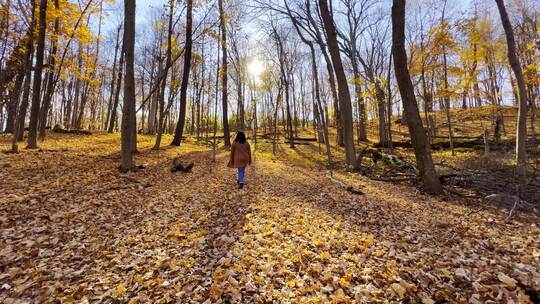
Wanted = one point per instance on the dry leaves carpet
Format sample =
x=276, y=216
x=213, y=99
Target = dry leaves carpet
x=74, y=229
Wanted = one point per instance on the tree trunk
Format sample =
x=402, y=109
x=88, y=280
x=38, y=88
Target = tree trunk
x=224, y=75
x=476, y=87
x=285, y=82
x=318, y=109
x=13, y=67
x=521, y=132
x=50, y=78
x=14, y=97
x=153, y=107
x=200, y=96
x=214, y=139
x=128, y=109
x=343, y=87
x=419, y=139
x=160, y=98
x=113, y=77
x=447, y=103
x=295, y=112
x=185, y=76
x=381, y=110
x=389, y=108
x=335, y=97
x=114, y=109
x=36, y=88
x=72, y=118
x=18, y=131
x=362, y=134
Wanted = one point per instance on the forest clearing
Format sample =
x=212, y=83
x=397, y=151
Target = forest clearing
x=269, y=151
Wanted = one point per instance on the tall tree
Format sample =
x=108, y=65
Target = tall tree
x=319, y=121
x=36, y=88
x=185, y=75
x=113, y=77
x=521, y=132
x=224, y=75
x=18, y=131
x=128, y=109
x=112, y=121
x=161, y=98
x=422, y=150
x=345, y=106
x=13, y=67
x=445, y=40
x=283, y=67
x=355, y=11
x=50, y=75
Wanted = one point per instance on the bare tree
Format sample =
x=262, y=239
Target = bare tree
x=185, y=76
x=224, y=76
x=128, y=110
x=113, y=77
x=343, y=87
x=112, y=121
x=21, y=115
x=422, y=149
x=356, y=15
x=36, y=89
x=50, y=76
x=521, y=131
x=284, y=77
x=317, y=107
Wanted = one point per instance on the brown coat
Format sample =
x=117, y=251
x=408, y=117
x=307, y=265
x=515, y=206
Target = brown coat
x=240, y=155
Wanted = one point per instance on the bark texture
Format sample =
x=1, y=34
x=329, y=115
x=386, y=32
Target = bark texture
x=345, y=106
x=419, y=138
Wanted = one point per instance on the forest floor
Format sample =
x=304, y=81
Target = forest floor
x=74, y=229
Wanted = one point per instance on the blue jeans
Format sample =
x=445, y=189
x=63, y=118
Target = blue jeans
x=241, y=173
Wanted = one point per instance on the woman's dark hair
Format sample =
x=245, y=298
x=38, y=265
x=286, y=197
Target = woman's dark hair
x=240, y=137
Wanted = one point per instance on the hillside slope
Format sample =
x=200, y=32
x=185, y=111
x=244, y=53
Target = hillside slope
x=73, y=228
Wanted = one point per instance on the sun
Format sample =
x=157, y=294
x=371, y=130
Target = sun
x=255, y=68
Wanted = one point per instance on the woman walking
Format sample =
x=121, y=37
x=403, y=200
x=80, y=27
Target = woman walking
x=240, y=157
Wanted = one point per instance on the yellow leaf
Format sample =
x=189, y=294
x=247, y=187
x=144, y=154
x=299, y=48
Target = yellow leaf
x=325, y=256
x=340, y=297
x=507, y=280
x=343, y=282
x=215, y=292
x=296, y=259
x=379, y=252
x=119, y=290
x=368, y=241
x=398, y=289
x=291, y=283
x=317, y=243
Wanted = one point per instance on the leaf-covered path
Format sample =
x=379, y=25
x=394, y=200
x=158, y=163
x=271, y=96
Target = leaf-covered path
x=74, y=229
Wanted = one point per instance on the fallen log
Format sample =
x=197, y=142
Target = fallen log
x=271, y=135
x=60, y=129
x=303, y=138
x=53, y=150
x=297, y=142
x=394, y=178
x=457, y=137
x=177, y=166
x=391, y=160
x=470, y=142
x=78, y=132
